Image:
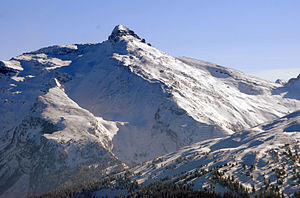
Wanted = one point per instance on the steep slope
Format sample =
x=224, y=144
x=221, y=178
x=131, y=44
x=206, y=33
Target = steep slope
x=291, y=89
x=263, y=158
x=47, y=140
x=119, y=100
x=168, y=102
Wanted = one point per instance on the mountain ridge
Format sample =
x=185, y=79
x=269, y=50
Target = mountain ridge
x=262, y=158
x=125, y=98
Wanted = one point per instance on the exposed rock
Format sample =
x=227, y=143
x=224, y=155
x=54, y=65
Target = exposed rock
x=120, y=31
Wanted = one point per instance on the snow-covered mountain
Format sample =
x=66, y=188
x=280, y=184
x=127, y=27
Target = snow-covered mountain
x=262, y=158
x=56, y=144
x=259, y=162
x=73, y=110
x=291, y=89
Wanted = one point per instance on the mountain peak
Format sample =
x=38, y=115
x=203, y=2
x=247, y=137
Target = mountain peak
x=295, y=81
x=280, y=81
x=121, y=30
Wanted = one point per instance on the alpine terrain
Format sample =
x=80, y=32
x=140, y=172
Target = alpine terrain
x=263, y=158
x=70, y=114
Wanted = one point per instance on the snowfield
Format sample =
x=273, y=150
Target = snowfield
x=74, y=112
x=261, y=158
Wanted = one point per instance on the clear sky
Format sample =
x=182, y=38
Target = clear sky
x=259, y=37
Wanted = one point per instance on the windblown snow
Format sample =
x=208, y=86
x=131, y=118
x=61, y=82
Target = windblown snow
x=86, y=108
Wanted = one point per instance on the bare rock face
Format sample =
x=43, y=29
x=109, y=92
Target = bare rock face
x=120, y=31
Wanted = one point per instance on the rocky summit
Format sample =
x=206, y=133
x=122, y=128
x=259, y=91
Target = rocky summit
x=70, y=114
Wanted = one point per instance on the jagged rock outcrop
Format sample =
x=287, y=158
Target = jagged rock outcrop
x=120, y=31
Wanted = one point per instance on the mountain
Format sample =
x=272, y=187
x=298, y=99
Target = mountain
x=262, y=158
x=70, y=113
x=258, y=162
x=291, y=89
x=57, y=143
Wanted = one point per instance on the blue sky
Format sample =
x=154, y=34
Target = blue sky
x=259, y=37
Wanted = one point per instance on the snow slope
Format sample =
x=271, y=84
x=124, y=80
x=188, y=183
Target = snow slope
x=264, y=157
x=291, y=89
x=168, y=102
x=57, y=144
x=47, y=140
x=122, y=100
